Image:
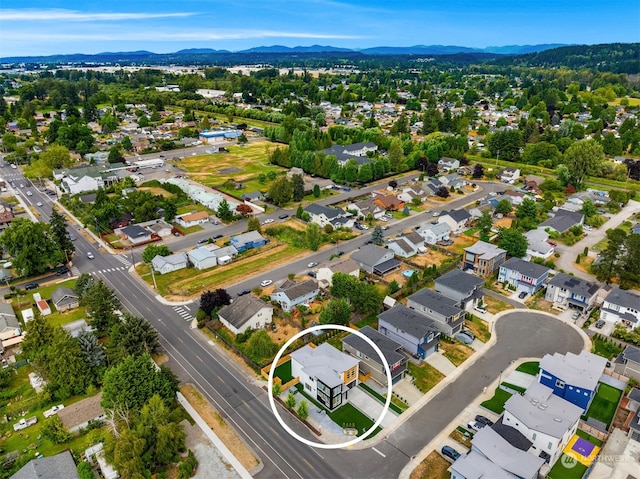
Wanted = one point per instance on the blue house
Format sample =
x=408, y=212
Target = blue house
x=573, y=377
x=251, y=239
x=417, y=334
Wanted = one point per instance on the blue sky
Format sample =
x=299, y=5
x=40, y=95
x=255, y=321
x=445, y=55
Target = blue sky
x=33, y=27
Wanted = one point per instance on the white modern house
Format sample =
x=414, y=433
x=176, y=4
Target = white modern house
x=621, y=306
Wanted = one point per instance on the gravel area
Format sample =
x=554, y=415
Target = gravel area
x=210, y=460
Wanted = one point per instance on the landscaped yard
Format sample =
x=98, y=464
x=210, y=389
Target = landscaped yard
x=455, y=352
x=559, y=471
x=605, y=348
x=496, y=403
x=494, y=305
x=396, y=404
x=604, y=404
x=284, y=372
x=426, y=376
x=478, y=327
x=371, y=320
x=530, y=367
x=461, y=435
x=434, y=466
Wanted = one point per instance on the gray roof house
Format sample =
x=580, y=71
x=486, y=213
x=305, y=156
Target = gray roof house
x=65, y=298
x=323, y=215
x=628, y=363
x=78, y=415
x=563, y=221
x=53, y=467
x=621, y=306
x=523, y=275
x=456, y=219
x=366, y=207
x=290, y=294
x=548, y=421
x=407, y=245
x=370, y=362
x=432, y=234
x=448, y=164
x=355, y=151
x=202, y=257
x=566, y=291
x=464, y=288
x=537, y=244
x=166, y=264
x=225, y=254
x=374, y=259
x=448, y=316
x=136, y=234
x=476, y=466
x=326, y=271
x=9, y=324
x=417, y=334
x=246, y=312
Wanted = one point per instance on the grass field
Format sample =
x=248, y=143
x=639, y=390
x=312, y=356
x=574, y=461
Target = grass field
x=603, y=406
x=284, y=372
x=479, y=328
x=575, y=470
x=426, y=376
x=494, y=305
x=530, y=367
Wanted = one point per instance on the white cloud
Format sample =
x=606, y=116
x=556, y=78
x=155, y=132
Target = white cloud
x=58, y=14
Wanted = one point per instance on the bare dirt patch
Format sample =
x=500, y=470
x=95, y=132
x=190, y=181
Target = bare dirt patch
x=433, y=467
x=284, y=331
x=584, y=265
x=230, y=171
x=156, y=191
x=432, y=257
x=503, y=222
x=226, y=434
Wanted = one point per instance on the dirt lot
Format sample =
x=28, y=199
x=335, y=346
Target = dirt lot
x=432, y=257
x=397, y=274
x=503, y=222
x=460, y=243
x=213, y=419
x=157, y=191
x=433, y=467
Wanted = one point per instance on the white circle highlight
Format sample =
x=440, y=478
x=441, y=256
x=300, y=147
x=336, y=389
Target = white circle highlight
x=272, y=402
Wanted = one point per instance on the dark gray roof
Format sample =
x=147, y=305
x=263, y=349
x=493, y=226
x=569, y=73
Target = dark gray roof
x=415, y=238
x=563, y=220
x=624, y=298
x=631, y=354
x=435, y=301
x=404, y=245
x=369, y=254
x=298, y=290
x=330, y=213
x=344, y=152
x=458, y=280
x=575, y=285
x=458, y=215
x=408, y=320
x=532, y=270
x=134, y=231
x=242, y=309
x=54, y=467
x=390, y=349
x=634, y=394
x=512, y=435
x=386, y=266
x=64, y=294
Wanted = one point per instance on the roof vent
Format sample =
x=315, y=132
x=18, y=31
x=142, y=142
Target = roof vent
x=557, y=419
x=534, y=401
x=542, y=406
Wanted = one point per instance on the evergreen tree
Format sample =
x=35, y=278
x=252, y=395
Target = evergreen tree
x=224, y=211
x=377, y=236
x=298, y=187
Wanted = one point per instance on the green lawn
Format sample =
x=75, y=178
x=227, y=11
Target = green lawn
x=496, y=403
x=559, y=471
x=371, y=320
x=603, y=407
x=426, y=376
x=284, y=372
x=55, y=318
x=603, y=348
x=350, y=416
x=531, y=367
x=514, y=387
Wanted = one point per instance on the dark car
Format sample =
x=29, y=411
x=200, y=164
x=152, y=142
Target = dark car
x=312, y=274
x=599, y=324
x=284, y=216
x=522, y=295
x=340, y=253
x=243, y=292
x=484, y=420
x=62, y=270
x=203, y=240
x=218, y=236
x=29, y=286
x=273, y=327
x=449, y=452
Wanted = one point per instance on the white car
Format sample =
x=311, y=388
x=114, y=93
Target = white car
x=266, y=282
x=90, y=255
x=29, y=193
x=436, y=214
x=312, y=264
x=54, y=410
x=267, y=221
x=39, y=203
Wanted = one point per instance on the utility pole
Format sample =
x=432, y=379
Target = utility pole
x=155, y=285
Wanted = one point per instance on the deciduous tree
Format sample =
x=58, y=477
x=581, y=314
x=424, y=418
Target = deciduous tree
x=153, y=250
x=281, y=191
x=583, y=158
x=513, y=242
x=337, y=311
x=32, y=245
x=297, y=182
x=313, y=236
x=210, y=300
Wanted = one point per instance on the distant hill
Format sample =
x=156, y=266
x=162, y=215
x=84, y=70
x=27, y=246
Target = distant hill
x=522, y=49
x=420, y=50
x=283, y=49
x=199, y=51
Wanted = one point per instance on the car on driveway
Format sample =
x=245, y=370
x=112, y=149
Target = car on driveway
x=450, y=453
x=463, y=338
x=480, y=309
x=522, y=295
x=475, y=426
x=484, y=420
x=313, y=274
x=53, y=410
x=599, y=323
x=266, y=282
x=312, y=264
x=90, y=255
x=575, y=315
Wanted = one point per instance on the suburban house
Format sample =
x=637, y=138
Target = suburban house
x=563, y=220
x=65, y=299
x=573, y=377
x=628, y=363
x=621, y=306
x=538, y=246
x=355, y=151
x=388, y=202
x=78, y=415
x=370, y=362
x=452, y=180
x=546, y=420
x=323, y=215
x=74, y=328
x=405, y=248
x=224, y=255
x=456, y=219
x=566, y=291
x=135, y=234
x=49, y=467
x=445, y=312
x=84, y=178
x=290, y=294
x=95, y=454
x=248, y=240
x=193, y=219
x=509, y=175
x=246, y=312
x=448, y=164
x=410, y=193
x=635, y=229
x=483, y=258
x=159, y=227
x=167, y=264
x=515, y=197
x=522, y=275
x=364, y=208
x=433, y=234
x=6, y=216
x=431, y=187
x=9, y=324
x=464, y=288
x=491, y=446
x=347, y=266
x=375, y=260
x=417, y=334
x=202, y=257
x=326, y=373
x=599, y=197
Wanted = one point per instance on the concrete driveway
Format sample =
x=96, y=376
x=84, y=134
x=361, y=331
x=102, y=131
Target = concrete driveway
x=442, y=364
x=370, y=406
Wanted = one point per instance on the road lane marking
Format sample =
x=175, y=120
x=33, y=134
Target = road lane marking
x=378, y=452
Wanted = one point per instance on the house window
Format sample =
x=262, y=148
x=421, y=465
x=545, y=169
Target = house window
x=560, y=383
x=577, y=390
x=549, y=446
x=533, y=438
x=306, y=386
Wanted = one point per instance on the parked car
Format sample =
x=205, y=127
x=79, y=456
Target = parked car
x=267, y=221
x=312, y=264
x=273, y=327
x=312, y=274
x=176, y=234
x=480, y=309
x=340, y=253
x=385, y=227
x=283, y=216
x=51, y=411
x=29, y=286
x=575, y=315
x=475, y=426
x=218, y=236
x=599, y=323
x=484, y=420
x=203, y=240
x=463, y=338
x=39, y=204
x=90, y=255
x=450, y=453
x=346, y=188
x=468, y=333
x=62, y=270
x=522, y=295
x=266, y=282
x=436, y=213
x=243, y=292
